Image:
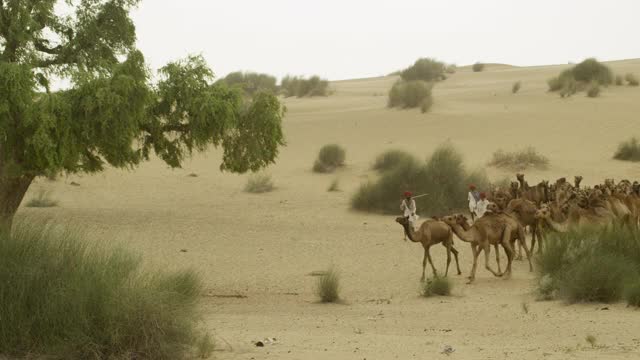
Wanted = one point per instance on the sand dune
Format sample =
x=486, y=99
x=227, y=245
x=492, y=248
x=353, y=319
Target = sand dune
x=263, y=246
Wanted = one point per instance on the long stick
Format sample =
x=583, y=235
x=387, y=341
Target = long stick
x=419, y=196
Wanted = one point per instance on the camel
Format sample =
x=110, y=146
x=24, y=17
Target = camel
x=486, y=231
x=512, y=220
x=577, y=217
x=525, y=212
x=431, y=232
x=537, y=194
x=577, y=180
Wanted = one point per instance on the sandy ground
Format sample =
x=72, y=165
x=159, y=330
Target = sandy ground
x=264, y=246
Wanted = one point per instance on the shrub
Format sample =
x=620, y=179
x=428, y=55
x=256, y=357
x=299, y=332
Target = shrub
x=451, y=69
x=426, y=105
x=628, y=150
x=205, y=346
x=251, y=82
x=590, y=264
x=632, y=294
x=410, y=94
x=632, y=80
x=301, y=87
x=478, y=67
x=443, y=177
x=516, y=87
x=65, y=297
x=424, y=69
x=390, y=159
x=437, y=286
x=330, y=158
x=335, y=186
x=593, y=90
x=328, y=286
x=519, y=160
x=619, y=80
x=42, y=200
x=575, y=78
x=569, y=87
x=259, y=183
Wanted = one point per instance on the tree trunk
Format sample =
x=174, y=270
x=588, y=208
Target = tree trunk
x=12, y=191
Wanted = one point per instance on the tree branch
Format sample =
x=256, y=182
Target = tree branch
x=39, y=44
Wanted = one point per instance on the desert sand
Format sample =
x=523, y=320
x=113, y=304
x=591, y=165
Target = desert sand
x=263, y=247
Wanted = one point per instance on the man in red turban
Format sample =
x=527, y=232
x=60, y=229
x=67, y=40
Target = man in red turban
x=408, y=208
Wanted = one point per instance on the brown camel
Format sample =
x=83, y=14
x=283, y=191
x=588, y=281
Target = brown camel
x=525, y=212
x=486, y=231
x=514, y=223
x=577, y=217
x=577, y=180
x=538, y=194
x=431, y=232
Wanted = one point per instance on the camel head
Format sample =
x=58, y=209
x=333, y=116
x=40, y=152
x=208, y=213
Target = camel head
x=561, y=181
x=520, y=177
x=578, y=180
x=451, y=220
x=543, y=213
x=515, y=185
x=494, y=208
x=403, y=220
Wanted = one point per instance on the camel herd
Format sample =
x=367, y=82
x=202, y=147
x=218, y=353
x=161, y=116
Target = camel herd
x=543, y=208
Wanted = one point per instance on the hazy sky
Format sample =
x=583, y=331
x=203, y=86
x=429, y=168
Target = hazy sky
x=352, y=38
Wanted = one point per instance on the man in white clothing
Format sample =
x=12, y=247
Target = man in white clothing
x=473, y=197
x=481, y=206
x=408, y=208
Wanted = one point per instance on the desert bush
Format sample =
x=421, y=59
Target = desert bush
x=593, y=265
x=251, y=82
x=301, y=87
x=516, y=87
x=42, y=200
x=477, y=67
x=426, y=105
x=628, y=150
x=437, y=286
x=410, y=94
x=335, y=186
x=593, y=90
x=328, y=286
x=451, y=69
x=579, y=76
x=632, y=80
x=259, y=183
x=442, y=176
x=330, y=158
x=519, y=160
x=390, y=159
x=619, y=80
x=424, y=69
x=205, y=346
x=632, y=293
x=65, y=297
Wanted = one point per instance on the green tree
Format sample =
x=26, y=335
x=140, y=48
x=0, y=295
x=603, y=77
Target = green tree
x=111, y=113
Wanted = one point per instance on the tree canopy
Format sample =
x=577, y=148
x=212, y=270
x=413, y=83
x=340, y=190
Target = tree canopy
x=112, y=113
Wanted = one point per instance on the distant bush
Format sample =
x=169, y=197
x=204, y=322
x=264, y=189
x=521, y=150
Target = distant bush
x=443, y=177
x=251, y=82
x=451, y=69
x=424, y=69
x=516, y=87
x=619, y=80
x=259, y=183
x=628, y=150
x=42, y=200
x=390, y=159
x=328, y=287
x=64, y=297
x=335, y=186
x=301, y=87
x=426, y=105
x=593, y=90
x=330, y=158
x=632, y=294
x=579, y=76
x=590, y=265
x=410, y=94
x=437, y=286
x=478, y=67
x=519, y=160
x=632, y=80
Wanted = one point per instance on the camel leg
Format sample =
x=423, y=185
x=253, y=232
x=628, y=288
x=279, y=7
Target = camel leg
x=455, y=255
x=435, y=272
x=508, y=249
x=526, y=249
x=487, y=254
x=424, y=263
x=498, y=258
x=446, y=272
x=476, y=252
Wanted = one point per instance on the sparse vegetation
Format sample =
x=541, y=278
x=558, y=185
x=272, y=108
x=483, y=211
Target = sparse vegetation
x=451, y=69
x=251, y=82
x=42, y=200
x=593, y=90
x=301, y=87
x=259, y=183
x=330, y=158
x=442, y=176
x=477, y=67
x=328, y=286
x=426, y=105
x=205, y=346
x=424, y=69
x=66, y=297
x=335, y=186
x=577, y=78
x=591, y=340
x=632, y=80
x=437, y=286
x=410, y=94
x=619, y=80
x=519, y=160
x=590, y=265
x=632, y=294
x=628, y=150
x=516, y=87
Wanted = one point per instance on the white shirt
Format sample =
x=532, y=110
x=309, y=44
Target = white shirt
x=408, y=208
x=472, y=202
x=481, y=207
